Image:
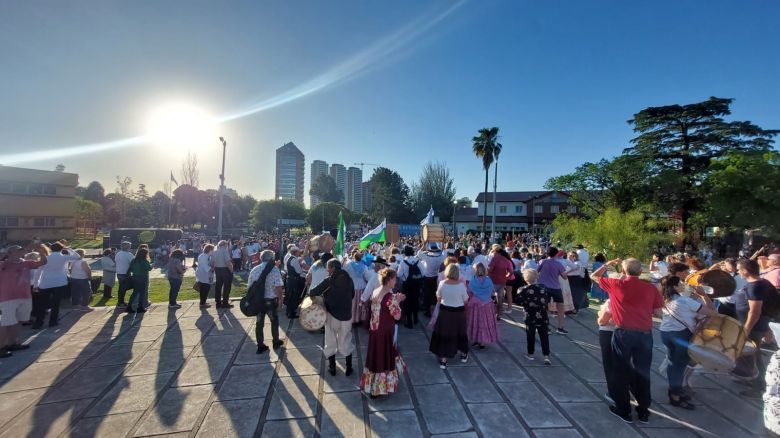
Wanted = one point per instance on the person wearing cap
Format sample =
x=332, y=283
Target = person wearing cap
x=432, y=260
x=123, y=258
x=15, y=296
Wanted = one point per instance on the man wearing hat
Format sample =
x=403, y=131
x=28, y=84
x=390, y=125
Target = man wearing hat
x=15, y=297
x=431, y=262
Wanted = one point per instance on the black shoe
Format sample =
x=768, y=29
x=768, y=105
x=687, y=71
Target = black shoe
x=349, y=365
x=227, y=306
x=37, y=326
x=278, y=344
x=17, y=347
x=262, y=348
x=644, y=416
x=332, y=365
x=626, y=418
x=140, y=310
x=122, y=304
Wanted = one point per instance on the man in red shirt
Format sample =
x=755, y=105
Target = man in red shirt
x=633, y=303
x=15, y=297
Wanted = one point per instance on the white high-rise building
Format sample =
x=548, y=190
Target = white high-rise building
x=289, y=173
x=339, y=174
x=318, y=167
x=354, y=192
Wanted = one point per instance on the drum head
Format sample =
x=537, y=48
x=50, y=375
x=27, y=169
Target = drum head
x=711, y=359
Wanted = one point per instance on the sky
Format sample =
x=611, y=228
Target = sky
x=394, y=83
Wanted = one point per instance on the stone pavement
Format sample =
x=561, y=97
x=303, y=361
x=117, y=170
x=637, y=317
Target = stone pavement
x=195, y=373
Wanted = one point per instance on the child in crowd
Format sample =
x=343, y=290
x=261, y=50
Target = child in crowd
x=534, y=300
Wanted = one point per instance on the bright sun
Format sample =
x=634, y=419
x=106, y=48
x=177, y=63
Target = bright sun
x=181, y=126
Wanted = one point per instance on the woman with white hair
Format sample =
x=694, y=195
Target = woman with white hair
x=80, y=287
x=204, y=275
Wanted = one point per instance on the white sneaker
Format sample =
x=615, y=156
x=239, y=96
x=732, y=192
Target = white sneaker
x=529, y=357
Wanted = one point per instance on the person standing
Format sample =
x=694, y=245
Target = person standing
x=551, y=272
x=267, y=273
x=108, y=265
x=432, y=260
x=139, y=270
x=449, y=333
x=575, y=274
x=381, y=373
x=372, y=284
x=53, y=283
x=501, y=270
x=411, y=277
x=680, y=316
x=223, y=268
x=15, y=297
x=772, y=394
x=359, y=274
x=80, y=284
x=296, y=280
x=481, y=327
x=204, y=275
x=606, y=329
x=633, y=303
x=753, y=311
x=338, y=292
x=175, y=273
x=236, y=256
x=123, y=258
x=534, y=299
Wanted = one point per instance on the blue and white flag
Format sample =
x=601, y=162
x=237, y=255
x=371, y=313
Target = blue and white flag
x=428, y=218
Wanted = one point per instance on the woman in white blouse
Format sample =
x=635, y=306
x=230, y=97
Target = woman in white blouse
x=449, y=333
x=204, y=274
x=80, y=287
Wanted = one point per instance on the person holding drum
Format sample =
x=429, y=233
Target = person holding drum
x=338, y=291
x=678, y=323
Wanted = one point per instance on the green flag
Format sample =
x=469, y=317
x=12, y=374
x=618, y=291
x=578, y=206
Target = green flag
x=375, y=235
x=338, y=249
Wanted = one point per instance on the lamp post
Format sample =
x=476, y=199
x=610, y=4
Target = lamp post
x=221, y=188
x=279, y=228
x=454, y=224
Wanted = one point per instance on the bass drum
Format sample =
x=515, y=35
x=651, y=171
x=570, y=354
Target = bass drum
x=433, y=233
x=718, y=343
x=721, y=282
x=312, y=314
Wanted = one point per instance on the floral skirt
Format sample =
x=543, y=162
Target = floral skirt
x=383, y=383
x=481, y=323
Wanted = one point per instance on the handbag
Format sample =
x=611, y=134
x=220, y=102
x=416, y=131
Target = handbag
x=196, y=286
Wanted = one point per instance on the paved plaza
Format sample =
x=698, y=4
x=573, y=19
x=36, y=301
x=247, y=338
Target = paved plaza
x=194, y=372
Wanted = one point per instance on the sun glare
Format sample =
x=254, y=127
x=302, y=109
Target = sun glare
x=181, y=126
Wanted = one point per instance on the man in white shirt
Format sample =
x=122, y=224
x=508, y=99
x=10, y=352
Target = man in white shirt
x=373, y=278
x=480, y=258
x=583, y=257
x=296, y=278
x=431, y=261
x=273, y=299
x=123, y=259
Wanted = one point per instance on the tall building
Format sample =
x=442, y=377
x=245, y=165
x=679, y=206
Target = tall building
x=339, y=174
x=368, y=198
x=318, y=167
x=354, y=193
x=36, y=203
x=289, y=172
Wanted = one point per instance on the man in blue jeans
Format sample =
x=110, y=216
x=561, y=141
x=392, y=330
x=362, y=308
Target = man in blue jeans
x=633, y=303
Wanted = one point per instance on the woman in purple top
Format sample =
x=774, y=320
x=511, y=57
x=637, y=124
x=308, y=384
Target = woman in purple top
x=550, y=270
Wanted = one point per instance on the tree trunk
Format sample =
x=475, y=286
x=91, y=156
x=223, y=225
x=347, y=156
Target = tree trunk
x=495, y=184
x=484, y=209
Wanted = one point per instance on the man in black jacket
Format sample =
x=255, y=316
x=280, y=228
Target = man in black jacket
x=338, y=291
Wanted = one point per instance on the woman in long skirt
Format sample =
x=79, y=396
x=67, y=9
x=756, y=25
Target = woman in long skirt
x=449, y=334
x=481, y=325
x=568, y=302
x=384, y=364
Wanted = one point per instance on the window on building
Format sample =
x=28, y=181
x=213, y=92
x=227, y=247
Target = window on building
x=43, y=221
x=49, y=189
x=20, y=188
x=502, y=209
x=554, y=209
x=5, y=187
x=538, y=208
x=572, y=209
x=36, y=189
x=9, y=221
x=518, y=209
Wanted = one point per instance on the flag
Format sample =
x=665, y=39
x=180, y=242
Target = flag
x=429, y=218
x=174, y=179
x=338, y=249
x=374, y=236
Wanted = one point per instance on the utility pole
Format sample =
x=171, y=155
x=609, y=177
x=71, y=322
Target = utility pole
x=221, y=188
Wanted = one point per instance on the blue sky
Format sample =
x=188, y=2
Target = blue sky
x=560, y=78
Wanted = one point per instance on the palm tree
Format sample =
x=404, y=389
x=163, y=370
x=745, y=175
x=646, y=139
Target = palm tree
x=484, y=146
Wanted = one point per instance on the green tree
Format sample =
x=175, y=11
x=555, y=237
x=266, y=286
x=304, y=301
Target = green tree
x=95, y=192
x=325, y=216
x=613, y=232
x=265, y=214
x=742, y=191
x=486, y=147
x=324, y=188
x=435, y=188
x=679, y=142
x=87, y=210
x=390, y=197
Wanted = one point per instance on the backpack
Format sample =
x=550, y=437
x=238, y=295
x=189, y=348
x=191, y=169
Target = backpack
x=415, y=274
x=253, y=303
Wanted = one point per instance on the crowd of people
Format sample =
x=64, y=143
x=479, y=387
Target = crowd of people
x=463, y=287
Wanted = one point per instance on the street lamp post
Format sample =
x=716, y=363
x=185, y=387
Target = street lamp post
x=454, y=224
x=221, y=188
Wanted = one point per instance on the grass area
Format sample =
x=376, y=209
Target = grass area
x=159, y=288
x=86, y=243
